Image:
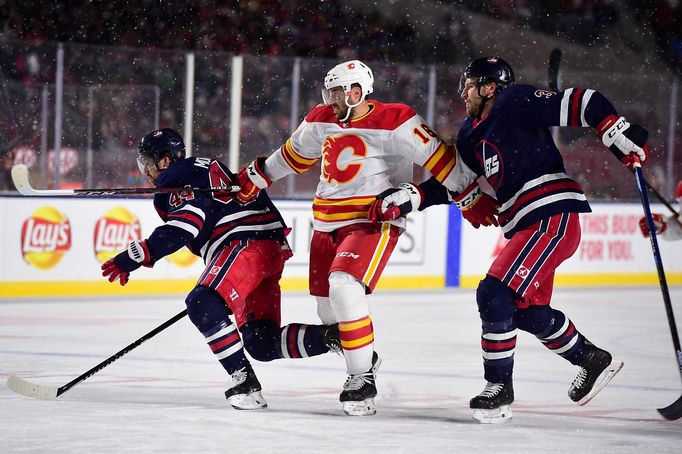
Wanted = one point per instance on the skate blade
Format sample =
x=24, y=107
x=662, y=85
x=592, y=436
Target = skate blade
x=603, y=379
x=360, y=408
x=253, y=401
x=493, y=416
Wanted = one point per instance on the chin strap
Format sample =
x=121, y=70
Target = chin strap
x=486, y=99
x=351, y=107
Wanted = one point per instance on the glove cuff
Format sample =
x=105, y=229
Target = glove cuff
x=257, y=175
x=416, y=195
x=468, y=197
x=610, y=133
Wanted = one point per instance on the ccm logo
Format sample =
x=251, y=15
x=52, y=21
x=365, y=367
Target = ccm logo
x=348, y=254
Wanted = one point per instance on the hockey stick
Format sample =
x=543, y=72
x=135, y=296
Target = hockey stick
x=553, y=69
x=553, y=83
x=20, y=180
x=21, y=386
x=662, y=199
x=674, y=410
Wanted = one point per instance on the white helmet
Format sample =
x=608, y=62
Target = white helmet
x=345, y=75
x=351, y=72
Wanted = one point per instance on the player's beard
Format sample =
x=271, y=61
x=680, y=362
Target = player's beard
x=473, y=106
x=340, y=111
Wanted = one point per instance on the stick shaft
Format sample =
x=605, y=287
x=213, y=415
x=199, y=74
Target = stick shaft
x=659, y=268
x=62, y=389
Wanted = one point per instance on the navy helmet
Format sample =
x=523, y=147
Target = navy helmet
x=157, y=144
x=489, y=69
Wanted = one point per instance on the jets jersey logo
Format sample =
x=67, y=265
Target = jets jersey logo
x=490, y=158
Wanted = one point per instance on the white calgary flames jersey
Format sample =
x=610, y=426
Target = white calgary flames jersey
x=362, y=157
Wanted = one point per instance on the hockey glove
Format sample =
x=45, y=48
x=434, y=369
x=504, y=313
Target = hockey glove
x=395, y=202
x=120, y=267
x=477, y=207
x=252, y=179
x=659, y=223
x=627, y=142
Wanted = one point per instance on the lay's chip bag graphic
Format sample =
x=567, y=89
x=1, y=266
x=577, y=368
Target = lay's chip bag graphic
x=45, y=237
x=114, y=231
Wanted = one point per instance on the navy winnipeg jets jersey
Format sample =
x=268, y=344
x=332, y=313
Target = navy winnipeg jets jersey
x=513, y=149
x=205, y=221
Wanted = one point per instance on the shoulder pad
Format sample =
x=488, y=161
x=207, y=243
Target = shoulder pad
x=321, y=114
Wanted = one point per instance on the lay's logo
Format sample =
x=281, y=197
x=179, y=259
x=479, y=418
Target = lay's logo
x=45, y=237
x=114, y=231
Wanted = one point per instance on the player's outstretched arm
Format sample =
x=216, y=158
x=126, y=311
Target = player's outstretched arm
x=406, y=198
x=252, y=179
x=134, y=256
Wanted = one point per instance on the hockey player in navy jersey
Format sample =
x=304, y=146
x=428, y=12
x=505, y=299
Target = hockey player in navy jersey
x=525, y=190
x=244, y=249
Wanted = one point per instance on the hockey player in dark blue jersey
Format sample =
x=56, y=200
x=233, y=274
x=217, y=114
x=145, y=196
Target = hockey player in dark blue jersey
x=244, y=249
x=525, y=190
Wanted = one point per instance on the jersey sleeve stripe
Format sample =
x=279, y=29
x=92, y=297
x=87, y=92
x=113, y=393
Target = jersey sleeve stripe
x=583, y=107
x=563, y=116
x=298, y=163
x=576, y=100
x=185, y=226
x=441, y=162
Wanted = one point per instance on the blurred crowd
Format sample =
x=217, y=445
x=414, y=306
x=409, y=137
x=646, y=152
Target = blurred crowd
x=116, y=93
x=322, y=29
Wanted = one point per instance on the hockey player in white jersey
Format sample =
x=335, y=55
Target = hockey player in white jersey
x=363, y=147
x=669, y=228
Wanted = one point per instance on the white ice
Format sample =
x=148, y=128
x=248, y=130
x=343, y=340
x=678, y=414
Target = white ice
x=167, y=395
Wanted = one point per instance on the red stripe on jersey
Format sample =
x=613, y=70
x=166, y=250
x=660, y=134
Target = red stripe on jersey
x=574, y=118
x=190, y=217
x=224, y=342
x=441, y=162
x=538, y=193
x=298, y=163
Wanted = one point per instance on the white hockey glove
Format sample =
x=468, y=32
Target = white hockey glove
x=395, y=202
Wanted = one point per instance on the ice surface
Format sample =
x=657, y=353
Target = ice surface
x=167, y=395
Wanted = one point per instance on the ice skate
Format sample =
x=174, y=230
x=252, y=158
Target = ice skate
x=332, y=340
x=245, y=393
x=493, y=404
x=595, y=372
x=359, y=391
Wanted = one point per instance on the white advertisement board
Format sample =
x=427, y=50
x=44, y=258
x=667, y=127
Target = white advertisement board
x=55, y=247
x=612, y=250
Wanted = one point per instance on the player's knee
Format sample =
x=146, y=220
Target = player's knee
x=325, y=311
x=347, y=297
x=534, y=319
x=260, y=339
x=495, y=300
x=205, y=308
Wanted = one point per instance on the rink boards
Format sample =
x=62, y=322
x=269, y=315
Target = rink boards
x=55, y=247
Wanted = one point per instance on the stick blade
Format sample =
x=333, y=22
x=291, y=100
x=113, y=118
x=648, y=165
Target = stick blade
x=20, y=179
x=21, y=386
x=672, y=411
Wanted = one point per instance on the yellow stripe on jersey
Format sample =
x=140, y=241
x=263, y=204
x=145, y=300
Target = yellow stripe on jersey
x=345, y=201
x=378, y=253
x=298, y=163
x=441, y=162
x=320, y=216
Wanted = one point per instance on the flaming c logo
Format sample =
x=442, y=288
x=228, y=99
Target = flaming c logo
x=114, y=231
x=45, y=237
